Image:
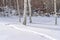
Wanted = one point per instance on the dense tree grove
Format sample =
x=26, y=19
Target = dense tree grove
x=44, y=5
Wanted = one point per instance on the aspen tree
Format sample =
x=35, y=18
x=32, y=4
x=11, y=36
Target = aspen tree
x=55, y=12
x=25, y=12
x=29, y=4
x=18, y=10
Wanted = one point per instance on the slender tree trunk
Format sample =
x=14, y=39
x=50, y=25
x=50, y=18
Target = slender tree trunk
x=55, y=12
x=3, y=7
x=3, y=3
x=10, y=3
x=29, y=4
x=25, y=11
x=6, y=3
x=18, y=10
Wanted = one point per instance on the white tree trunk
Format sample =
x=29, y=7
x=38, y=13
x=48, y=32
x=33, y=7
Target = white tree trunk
x=55, y=12
x=18, y=10
x=29, y=4
x=25, y=11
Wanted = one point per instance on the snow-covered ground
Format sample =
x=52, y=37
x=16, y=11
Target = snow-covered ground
x=41, y=28
x=9, y=33
x=44, y=22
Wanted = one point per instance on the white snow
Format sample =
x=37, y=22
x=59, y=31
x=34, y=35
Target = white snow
x=42, y=28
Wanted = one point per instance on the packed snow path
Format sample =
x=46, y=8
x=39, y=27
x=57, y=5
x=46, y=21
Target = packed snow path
x=9, y=32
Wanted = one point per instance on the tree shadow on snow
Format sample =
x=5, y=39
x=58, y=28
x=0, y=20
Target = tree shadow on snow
x=44, y=27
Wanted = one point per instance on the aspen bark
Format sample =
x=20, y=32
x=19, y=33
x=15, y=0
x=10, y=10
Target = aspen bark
x=29, y=4
x=18, y=10
x=55, y=12
x=25, y=12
